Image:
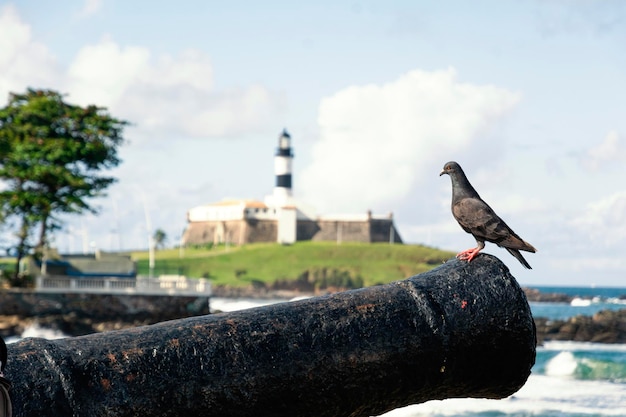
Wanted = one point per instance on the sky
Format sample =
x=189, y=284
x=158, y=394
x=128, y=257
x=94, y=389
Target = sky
x=528, y=96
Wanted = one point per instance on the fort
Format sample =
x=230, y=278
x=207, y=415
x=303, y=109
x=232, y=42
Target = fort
x=281, y=218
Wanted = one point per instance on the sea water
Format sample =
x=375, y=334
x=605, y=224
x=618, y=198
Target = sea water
x=586, y=301
x=569, y=379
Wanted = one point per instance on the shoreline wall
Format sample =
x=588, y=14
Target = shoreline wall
x=81, y=314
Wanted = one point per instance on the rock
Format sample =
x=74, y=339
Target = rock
x=81, y=314
x=533, y=294
x=606, y=326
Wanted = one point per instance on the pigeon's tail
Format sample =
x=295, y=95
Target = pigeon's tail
x=519, y=257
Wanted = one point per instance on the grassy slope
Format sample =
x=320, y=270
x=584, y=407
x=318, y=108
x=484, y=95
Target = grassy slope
x=375, y=263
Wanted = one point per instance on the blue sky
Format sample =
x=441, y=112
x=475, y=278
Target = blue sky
x=528, y=96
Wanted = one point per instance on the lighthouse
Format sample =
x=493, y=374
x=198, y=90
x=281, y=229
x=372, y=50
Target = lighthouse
x=282, y=199
x=282, y=170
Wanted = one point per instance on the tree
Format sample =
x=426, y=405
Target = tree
x=159, y=238
x=51, y=156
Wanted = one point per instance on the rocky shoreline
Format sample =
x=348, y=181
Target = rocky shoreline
x=533, y=294
x=81, y=314
x=606, y=326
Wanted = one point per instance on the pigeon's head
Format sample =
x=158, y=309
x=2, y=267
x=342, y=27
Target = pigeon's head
x=451, y=168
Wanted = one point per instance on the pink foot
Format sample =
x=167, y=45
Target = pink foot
x=468, y=255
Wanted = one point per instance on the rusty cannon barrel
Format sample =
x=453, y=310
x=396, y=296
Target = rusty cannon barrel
x=460, y=330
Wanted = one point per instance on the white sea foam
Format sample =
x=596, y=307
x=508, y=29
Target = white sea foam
x=569, y=346
x=580, y=302
x=234, y=304
x=563, y=364
x=34, y=330
x=615, y=300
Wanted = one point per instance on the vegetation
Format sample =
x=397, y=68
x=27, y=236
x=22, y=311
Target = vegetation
x=159, y=238
x=321, y=264
x=51, y=156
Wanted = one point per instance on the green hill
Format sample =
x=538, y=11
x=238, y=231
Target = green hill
x=320, y=263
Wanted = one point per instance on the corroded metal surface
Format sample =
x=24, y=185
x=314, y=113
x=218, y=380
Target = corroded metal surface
x=461, y=330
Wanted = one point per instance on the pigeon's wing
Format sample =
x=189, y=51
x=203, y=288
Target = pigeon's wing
x=476, y=217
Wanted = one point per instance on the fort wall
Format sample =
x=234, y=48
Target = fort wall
x=255, y=231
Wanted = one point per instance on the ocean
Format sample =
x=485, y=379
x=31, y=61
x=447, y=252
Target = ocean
x=569, y=379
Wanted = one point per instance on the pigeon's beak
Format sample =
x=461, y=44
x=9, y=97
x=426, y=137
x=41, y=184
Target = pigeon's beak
x=443, y=171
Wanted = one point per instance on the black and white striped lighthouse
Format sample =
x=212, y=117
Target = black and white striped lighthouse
x=282, y=170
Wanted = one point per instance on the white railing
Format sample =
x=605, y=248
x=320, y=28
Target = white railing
x=163, y=285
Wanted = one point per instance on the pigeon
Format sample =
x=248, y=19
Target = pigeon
x=476, y=217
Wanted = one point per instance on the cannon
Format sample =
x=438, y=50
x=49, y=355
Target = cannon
x=459, y=330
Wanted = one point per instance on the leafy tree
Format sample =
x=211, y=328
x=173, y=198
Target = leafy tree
x=51, y=156
x=159, y=237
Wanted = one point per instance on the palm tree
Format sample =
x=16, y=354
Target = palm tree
x=159, y=238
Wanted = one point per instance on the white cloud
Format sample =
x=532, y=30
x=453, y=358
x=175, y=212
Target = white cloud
x=108, y=73
x=90, y=7
x=163, y=96
x=24, y=62
x=103, y=73
x=604, y=221
x=611, y=152
x=167, y=95
x=377, y=141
